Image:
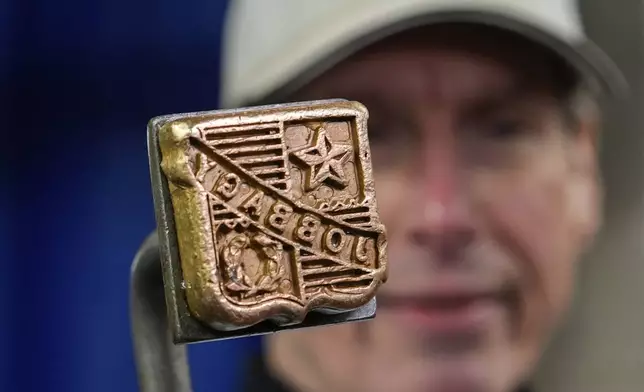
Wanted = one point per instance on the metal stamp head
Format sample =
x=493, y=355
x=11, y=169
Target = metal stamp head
x=272, y=211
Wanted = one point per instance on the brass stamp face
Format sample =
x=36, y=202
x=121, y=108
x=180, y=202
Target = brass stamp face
x=275, y=211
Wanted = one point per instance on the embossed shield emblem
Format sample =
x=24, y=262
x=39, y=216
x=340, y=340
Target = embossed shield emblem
x=275, y=211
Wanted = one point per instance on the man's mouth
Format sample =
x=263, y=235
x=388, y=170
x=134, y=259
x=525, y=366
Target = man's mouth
x=449, y=313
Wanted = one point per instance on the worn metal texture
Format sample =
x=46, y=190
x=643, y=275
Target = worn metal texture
x=162, y=319
x=267, y=218
x=162, y=363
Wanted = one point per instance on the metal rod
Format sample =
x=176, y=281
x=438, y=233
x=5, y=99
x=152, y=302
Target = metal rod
x=161, y=365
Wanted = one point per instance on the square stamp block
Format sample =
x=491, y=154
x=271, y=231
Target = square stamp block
x=267, y=218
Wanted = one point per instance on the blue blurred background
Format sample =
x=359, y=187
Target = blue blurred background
x=80, y=79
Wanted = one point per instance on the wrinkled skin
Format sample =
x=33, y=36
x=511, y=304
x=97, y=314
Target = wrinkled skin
x=489, y=194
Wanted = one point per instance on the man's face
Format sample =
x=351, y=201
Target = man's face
x=488, y=194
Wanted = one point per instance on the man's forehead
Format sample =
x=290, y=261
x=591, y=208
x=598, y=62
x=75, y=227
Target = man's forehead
x=471, y=36
x=456, y=54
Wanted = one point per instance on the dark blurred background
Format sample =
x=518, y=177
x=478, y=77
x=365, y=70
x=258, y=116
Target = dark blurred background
x=79, y=79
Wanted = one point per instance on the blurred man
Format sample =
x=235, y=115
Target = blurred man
x=483, y=129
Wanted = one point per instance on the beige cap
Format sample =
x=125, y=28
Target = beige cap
x=272, y=46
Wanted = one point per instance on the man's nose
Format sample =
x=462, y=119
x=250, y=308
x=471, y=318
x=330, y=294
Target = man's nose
x=443, y=221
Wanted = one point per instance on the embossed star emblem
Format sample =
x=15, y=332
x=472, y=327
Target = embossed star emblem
x=325, y=161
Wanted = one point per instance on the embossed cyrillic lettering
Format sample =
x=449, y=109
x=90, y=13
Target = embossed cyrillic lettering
x=334, y=240
x=307, y=229
x=279, y=216
x=253, y=204
x=360, y=249
x=229, y=185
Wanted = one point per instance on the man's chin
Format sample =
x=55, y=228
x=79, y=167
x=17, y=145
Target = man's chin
x=467, y=364
x=444, y=375
x=470, y=353
x=462, y=376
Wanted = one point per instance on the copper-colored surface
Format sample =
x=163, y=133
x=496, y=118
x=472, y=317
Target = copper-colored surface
x=275, y=211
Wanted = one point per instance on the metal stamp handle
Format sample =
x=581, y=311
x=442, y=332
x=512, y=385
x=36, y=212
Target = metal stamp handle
x=266, y=221
x=161, y=365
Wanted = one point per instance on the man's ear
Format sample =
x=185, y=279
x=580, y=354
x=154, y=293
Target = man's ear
x=586, y=190
x=587, y=144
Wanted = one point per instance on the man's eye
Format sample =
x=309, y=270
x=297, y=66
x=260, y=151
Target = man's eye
x=503, y=129
x=391, y=143
x=376, y=131
x=385, y=132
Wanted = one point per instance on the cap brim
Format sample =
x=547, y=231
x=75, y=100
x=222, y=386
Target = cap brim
x=591, y=63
